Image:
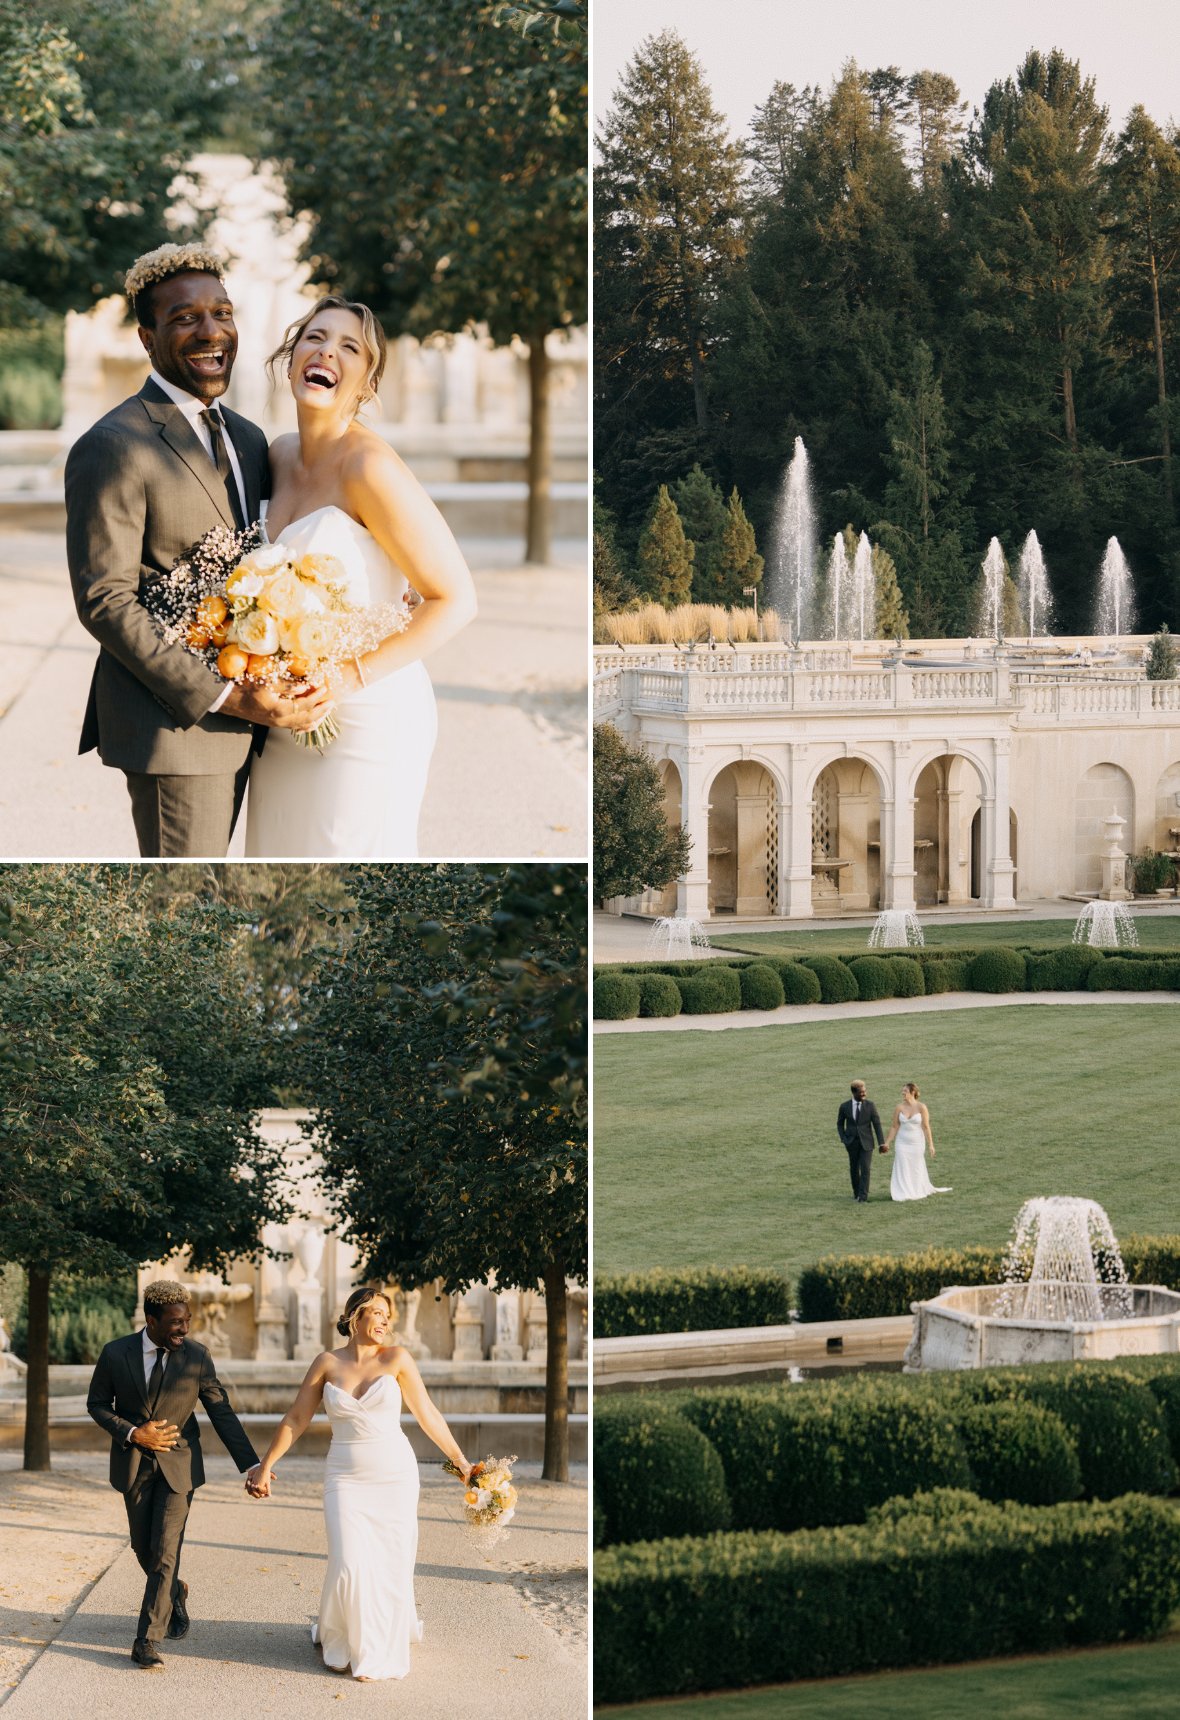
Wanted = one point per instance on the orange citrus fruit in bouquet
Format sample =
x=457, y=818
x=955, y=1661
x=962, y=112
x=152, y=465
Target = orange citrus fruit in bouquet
x=219, y=634
x=298, y=668
x=197, y=636
x=260, y=668
x=232, y=661
x=212, y=611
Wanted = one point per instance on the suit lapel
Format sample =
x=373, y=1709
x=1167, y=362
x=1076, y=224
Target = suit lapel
x=175, y=429
x=133, y=1358
x=238, y=428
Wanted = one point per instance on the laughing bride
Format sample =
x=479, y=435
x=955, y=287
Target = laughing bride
x=368, y=1618
x=339, y=489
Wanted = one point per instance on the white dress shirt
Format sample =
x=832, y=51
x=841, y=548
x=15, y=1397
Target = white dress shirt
x=192, y=408
x=149, y=1357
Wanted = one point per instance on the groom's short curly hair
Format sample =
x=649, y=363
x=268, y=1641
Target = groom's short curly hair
x=160, y=265
x=164, y=1293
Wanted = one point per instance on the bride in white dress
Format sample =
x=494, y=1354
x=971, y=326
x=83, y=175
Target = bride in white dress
x=368, y=1618
x=339, y=489
x=911, y=1131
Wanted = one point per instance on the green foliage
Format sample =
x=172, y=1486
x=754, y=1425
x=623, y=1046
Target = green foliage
x=1020, y=1451
x=1161, y=658
x=1121, y=973
x=617, y=996
x=78, y=1334
x=950, y=975
x=655, y=1474
x=996, y=969
x=893, y=621
x=658, y=995
x=761, y=986
x=837, y=981
x=1066, y=969
x=908, y=976
x=874, y=977
x=1151, y=871
x=800, y=984
x=664, y=563
x=675, y=1616
x=701, y=509
x=635, y=848
x=701, y=1299
x=30, y=397
x=612, y=582
x=714, y=989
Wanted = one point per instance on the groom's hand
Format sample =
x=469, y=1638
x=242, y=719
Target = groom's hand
x=156, y=1435
x=276, y=710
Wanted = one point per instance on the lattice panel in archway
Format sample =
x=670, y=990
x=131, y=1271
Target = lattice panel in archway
x=772, y=854
x=823, y=816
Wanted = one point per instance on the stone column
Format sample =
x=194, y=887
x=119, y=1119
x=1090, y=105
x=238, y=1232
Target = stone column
x=307, y=1298
x=406, y=1302
x=751, y=855
x=1114, y=859
x=507, y=1347
x=270, y=1314
x=993, y=830
x=853, y=844
x=692, y=891
x=897, y=835
x=467, y=1321
x=795, y=838
x=536, y=1325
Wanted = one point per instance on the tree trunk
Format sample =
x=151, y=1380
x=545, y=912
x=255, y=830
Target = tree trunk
x=539, y=528
x=557, y=1415
x=1161, y=386
x=37, y=1378
x=1071, y=422
x=698, y=384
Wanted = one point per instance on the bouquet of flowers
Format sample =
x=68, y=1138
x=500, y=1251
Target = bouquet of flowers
x=256, y=614
x=489, y=1499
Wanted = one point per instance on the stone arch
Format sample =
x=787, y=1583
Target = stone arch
x=948, y=789
x=976, y=852
x=664, y=901
x=847, y=830
x=743, y=800
x=1167, y=810
x=1103, y=787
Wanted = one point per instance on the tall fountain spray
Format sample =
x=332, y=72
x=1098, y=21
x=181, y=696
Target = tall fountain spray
x=1036, y=603
x=1064, y=1250
x=864, y=590
x=991, y=605
x=839, y=589
x=790, y=580
x=1116, y=595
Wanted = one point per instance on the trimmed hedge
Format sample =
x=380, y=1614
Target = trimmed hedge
x=874, y=977
x=1066, y=969
x=739, y=1609
x=761, y=987
x=908, y=977
x=655, y=1473
x=869, y=1286
x=945, y=976
x=714, y=989
x=1121, y=973
x=658, y=995
x=1020, y=1451
x=836, y=981
x=616, y=997
x=997, y=969
x=800, y=984
x=696, y=1299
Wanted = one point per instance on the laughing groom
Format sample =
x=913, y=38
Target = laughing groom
x=144, y=1393
x=857, y=1122
x=143, y=486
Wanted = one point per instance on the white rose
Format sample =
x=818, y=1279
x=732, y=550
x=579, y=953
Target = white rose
x=268, y=557
x=244, y=583
x=288, y=596
x=309, y=636
x=255, y=632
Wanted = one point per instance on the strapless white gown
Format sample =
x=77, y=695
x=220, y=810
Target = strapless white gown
x=367, y=1614
x=360, y=799
x=910, y=1179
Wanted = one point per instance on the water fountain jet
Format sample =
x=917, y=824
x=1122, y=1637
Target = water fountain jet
x=1036, y=603
x=789, y=583
x=896, y=929
x=679, y=936
x=1116, y=594
x=864, y=589
x=1106, y=926
x=991, y=607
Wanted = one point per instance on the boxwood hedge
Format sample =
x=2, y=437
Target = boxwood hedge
x=659, y=994
x=653, y=1467
x=997, y=969
x=761, y=986
x=836, y=981
x=616, y=996
x=695, y=1299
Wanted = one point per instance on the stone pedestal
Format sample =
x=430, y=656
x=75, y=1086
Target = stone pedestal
x=408, y=1335
x=507, y=1347
x=307, y=1298
x=1114, y=860
x=537, y=1326
x=468, y=1325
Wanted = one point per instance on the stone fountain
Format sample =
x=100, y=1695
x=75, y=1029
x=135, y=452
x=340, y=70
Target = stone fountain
x=1106, y=926
x=676, y=937
x=896, y=929
x=1064, y=1298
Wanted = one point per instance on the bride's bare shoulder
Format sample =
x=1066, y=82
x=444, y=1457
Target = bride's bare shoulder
x=394, y=1357
x=283, y=450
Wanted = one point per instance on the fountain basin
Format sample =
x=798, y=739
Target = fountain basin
x=985, y=1325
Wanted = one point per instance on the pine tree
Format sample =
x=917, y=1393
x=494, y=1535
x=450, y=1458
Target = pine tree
x=1161, y=659
x=612, y=586
x=738, y=564
x=892, y=620
x=664, y=563
x=776, y=129
x=937, y=109
x=701, y=507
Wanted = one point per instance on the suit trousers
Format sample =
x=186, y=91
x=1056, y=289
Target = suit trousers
x=860, y=1166
x=156, y=1517
x=185, y=817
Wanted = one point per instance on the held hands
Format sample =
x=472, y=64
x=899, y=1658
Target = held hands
x=156, y=1436
x=258, y=1482
x=279, y=710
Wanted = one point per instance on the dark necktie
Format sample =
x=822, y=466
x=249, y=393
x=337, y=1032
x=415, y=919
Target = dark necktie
x=215, y=425
x=856, y=1110
x=155, y=1381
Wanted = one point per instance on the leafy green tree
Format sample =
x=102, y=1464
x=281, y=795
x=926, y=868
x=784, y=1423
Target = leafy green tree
x=449, y=1064
x=635, y=848
x=445, y=184
x=701, y=507
x=664, y=563
x=892, y=620
x=136, y=1063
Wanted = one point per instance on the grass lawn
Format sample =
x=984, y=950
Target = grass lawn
x=1140, y=1680
x=721, y=1148
x=1157, y=930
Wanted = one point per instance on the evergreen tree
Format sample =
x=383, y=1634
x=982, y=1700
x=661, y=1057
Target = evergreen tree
x=776, y=130
x=1161, y=659
x=634, y=847
x=738, y=564
x=701, y=507
x=664, y=563
x=892, y=620
x=612, y=584
x=937, y=111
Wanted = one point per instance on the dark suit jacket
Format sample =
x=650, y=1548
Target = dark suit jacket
x=862, y=1131
x=118, y=1402
x=140, y=492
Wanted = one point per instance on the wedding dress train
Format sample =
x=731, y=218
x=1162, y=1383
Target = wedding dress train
x=910, y=1179
x=360, y=799
x=368, y=1618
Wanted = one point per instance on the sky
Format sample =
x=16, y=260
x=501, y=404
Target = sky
x=1130, y=47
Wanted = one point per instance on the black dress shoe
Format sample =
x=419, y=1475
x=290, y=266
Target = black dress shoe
x=179, y=1622
x=144, y=1653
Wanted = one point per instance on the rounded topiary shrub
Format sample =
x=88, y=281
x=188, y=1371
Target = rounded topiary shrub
x=908, y=979
x=935, y=1503
x=1121, y=973
x=800, y=984
x=761, y=987
x=616, y=997
x=836, y=982
x=1020, y=1451
x=659, y=994
x=873, y=976
x=714, y=989
x=948, y=975
x=655, y=1474
x=998, y=969
x=1066, y=969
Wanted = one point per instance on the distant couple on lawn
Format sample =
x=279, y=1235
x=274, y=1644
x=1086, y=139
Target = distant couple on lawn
x=858, y=1124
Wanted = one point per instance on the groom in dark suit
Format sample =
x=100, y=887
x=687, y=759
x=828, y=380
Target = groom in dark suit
x=143, y=486
x=856, y=1124
x=144, y=1393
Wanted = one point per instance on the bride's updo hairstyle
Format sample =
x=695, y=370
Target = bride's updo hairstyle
x=372, y=339
x=355, y=1306
x=912, y=1087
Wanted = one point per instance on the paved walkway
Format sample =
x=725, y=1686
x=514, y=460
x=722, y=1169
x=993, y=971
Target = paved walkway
x=505, y=1629
x=509, y=777
x=791, y=1015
